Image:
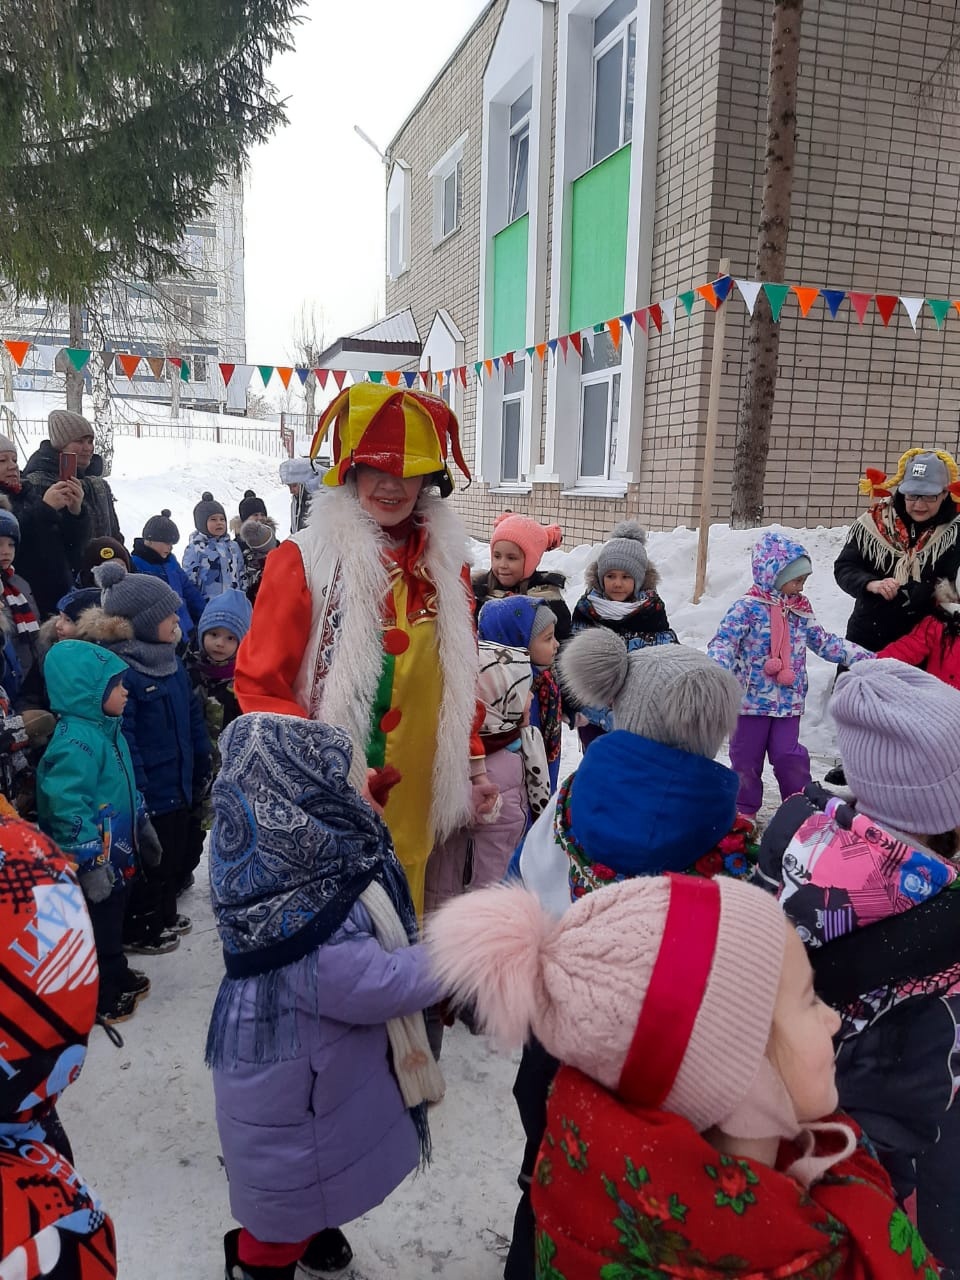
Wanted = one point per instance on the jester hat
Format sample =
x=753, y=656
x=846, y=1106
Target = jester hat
x=405, y=433
x=875, y=484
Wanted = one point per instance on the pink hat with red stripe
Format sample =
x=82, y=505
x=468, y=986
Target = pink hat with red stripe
x=661, y=989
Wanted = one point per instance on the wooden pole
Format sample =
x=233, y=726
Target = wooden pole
x=710, y=451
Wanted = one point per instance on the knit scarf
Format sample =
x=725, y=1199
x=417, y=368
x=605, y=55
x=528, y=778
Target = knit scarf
x=629, y=1193
x=149, y=656
x=23, y=616
x=547, y=692
x=647, y=606
x=881, y=535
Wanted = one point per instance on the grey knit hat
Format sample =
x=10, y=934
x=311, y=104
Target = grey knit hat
x=7, y=445
x=258, y=536
x=625, y=550
x=898, y=732
x=669, y=693
x=543, y=619
x=161, y=529
x=205, y=508
x=140, y=597
x=63, y=427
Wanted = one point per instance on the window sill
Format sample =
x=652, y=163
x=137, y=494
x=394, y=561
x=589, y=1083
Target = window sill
x=596, y=489
x=511, y=488
x=443, y=239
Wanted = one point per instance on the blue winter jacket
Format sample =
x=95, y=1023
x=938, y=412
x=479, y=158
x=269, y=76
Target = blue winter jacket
x=743, y=640
x=146, y=560
x=165, y=730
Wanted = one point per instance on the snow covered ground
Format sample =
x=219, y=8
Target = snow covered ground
x=141, y=1118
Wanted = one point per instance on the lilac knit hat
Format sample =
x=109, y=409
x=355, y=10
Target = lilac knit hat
x=661, y=989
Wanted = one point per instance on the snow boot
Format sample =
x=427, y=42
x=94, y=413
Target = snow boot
x=122, y=1007
x=327, y=1253
x=237, y=1270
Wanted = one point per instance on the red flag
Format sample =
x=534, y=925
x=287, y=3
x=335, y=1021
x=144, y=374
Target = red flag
x=425, y=378
x=322, y=375
x=339, y=377
x=656, y=315
x=508, y=359
x=860, y=302
x=641, y=318
x=565, y=345
x=226, y=373
x=576, y=341
x=462, y=372
x=886, y=305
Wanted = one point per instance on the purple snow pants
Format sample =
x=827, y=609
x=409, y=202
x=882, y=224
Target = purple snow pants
x=759, y=736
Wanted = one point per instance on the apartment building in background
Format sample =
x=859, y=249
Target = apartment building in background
x=199, y=317
x=576, y=160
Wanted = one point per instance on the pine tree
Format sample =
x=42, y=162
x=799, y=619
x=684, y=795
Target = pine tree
x=117, y=118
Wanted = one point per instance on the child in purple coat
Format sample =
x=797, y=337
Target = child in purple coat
x=321, y=1066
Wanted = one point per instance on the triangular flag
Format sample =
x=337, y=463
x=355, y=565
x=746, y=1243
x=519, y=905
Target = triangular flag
x=478, y=368
x=833, y=298
x=358, y=375
x=956, y=303
x=669, y=306
x=806, y=296
x=749, y=291
x=496, y=363
x=886, y=305
x=266, y=373
x=45, y=354
x=641, y=318
x=576, y=341
x=776, y=296
x=722, y=287
x=627, y=322
x=18, y=351
x=106, y=359
x=175, y=361
x=339, y=377
x=553, y=344
x=77, y=356
x=709, y=294
x=940, y=307
x=426, y=378
x=656, y=315
x=323, y=376
x=860, y=302
x=530, y=351
x=564, y=346
x=462, y=375
x=129, y=364
x=226, y=373
x=541, y=351
x=156, y=364
x=601, y=327
x=615, y=329
x=184, y=370
x=440, y=379
x=241, y=377
x=687, y=298
x=488, y=365
x=508, y=359
x=376, y=376
x=410, y=377
x=912, y=307
x=303, y=373
x=393, y=377
x=589, y=340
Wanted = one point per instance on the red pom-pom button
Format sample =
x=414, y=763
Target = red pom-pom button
x=395, y=642
x=390, y=719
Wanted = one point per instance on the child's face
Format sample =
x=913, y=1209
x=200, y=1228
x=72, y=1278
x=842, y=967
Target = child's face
x=259, y=517
x=8, y=549
x=801, y=1041
x=216, y=526
x=168, y=631
x=506, y=561
x=618, y=585
x=219, y=644
x=114, y=705
x=162, y=549
x=544, y=648
x=794, y=586
x=65, y=627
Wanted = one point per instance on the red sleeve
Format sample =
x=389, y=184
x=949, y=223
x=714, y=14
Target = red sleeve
x=272, y=650
x=915, y=647
x=477, y=749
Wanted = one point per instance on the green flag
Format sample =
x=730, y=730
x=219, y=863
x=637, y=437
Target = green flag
x=77, y=357
x=687, y=300
x=777, y=296
x=940, y=307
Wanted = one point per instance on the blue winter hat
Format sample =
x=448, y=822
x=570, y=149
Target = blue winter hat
x=514, y=621
x=230, y=610
x=78, y=601
x=9, y=524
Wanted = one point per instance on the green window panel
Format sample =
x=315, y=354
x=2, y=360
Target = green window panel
x=598, y=241
x=510, y=287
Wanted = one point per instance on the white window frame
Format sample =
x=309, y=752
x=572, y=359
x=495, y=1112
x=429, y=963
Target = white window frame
x=516, y=133
x=508, y=398
x=620, y=33
x=448, y=166
x=612, y=376
x=398, y=207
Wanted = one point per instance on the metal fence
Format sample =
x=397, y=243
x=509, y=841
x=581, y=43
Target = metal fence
x=247, y=434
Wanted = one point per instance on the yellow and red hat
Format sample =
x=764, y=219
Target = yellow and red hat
x=406, y=433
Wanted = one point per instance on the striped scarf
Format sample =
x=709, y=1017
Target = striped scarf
x=18, y=604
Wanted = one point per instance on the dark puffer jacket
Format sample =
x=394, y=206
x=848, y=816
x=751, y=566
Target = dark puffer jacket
x=545, y=588
x=51, y=543
x=867, y=558
x=43, y=470
x=648, y=624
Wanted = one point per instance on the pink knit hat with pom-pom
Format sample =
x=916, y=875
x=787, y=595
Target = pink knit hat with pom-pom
x=533, y=538
x=661, y=989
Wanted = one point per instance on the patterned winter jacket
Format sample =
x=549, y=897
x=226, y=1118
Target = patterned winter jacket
x=743, y=642
x=214, y=564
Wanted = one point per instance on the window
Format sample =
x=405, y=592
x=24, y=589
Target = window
x=398, y=221
x=614, y=76
x=198, y=313
x=199, y=368
x=511, y=422
x=520, y=155
x=599, y=408
x=447, y=179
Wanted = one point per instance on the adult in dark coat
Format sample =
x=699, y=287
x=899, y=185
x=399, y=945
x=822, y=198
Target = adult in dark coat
x=71, y=433
x=54, y=527
x=898, y=550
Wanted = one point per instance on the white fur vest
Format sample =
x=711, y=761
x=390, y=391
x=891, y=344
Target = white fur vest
x=343, y=560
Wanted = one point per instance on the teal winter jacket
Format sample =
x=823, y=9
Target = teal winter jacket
x=87, y=798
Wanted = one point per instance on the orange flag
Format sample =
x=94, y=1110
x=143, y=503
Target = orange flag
x=18, y=351
x=128, y=364
x=616, y=333
x=709, y=294
x=286, y=374
x=805, y=296
x=488, y=365
x=393, y=377
x=956, y=303
x=541, y=351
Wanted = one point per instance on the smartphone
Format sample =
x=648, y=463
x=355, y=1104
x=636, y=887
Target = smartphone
x=68, y=466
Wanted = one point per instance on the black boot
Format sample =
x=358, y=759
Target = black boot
x=327, y=1251
x=237, y=1270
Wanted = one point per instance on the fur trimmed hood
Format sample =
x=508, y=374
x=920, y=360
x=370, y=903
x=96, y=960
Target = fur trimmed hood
x=946, y=593
x=591, y=578
x=103, y=628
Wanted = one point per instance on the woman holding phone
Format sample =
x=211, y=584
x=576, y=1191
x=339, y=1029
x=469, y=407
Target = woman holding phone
x=71, y=435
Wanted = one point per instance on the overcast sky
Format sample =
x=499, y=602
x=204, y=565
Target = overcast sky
x=315, y=191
